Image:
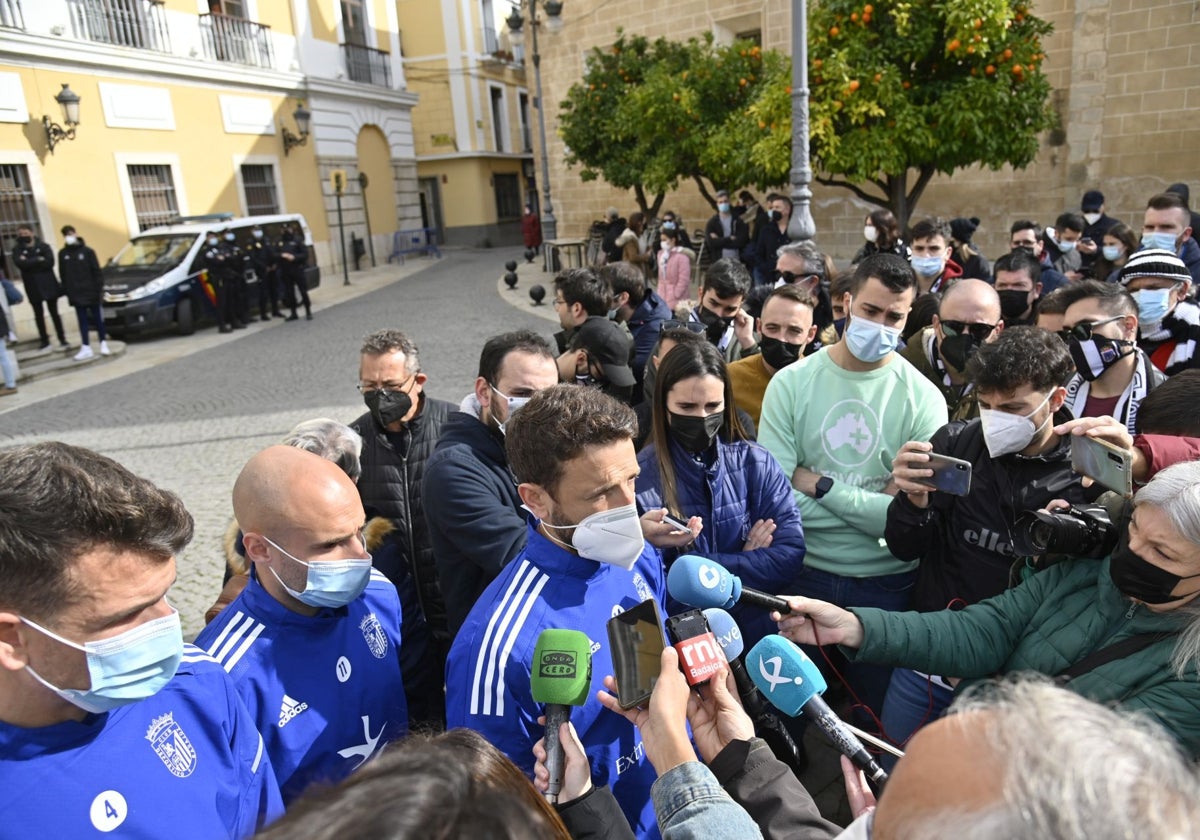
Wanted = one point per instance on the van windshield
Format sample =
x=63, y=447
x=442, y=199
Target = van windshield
x=162, y=251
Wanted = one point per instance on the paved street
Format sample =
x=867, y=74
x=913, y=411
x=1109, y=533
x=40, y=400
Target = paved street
x=189, y=424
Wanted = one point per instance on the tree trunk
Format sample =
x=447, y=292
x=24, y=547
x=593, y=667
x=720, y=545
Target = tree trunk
x=712, y=201
x=656, y=206
x=898, y=198
x=640, y=194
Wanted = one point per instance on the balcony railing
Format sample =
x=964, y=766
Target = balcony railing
x=236, y=40
x=141, y=24
x=491, y=44
x=10, y=14
x=367, y=65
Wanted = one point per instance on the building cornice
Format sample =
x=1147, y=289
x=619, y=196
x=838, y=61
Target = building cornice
x=468, y=155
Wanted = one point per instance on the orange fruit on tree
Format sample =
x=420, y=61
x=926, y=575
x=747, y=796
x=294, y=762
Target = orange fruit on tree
x=1007, y=54
x=833, y=31
x=953, y=45
x=990, y=70
x=854, y=16
x=854, y=85
x=868, y=9
x=879, y=77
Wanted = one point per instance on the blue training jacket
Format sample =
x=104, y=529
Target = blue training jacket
x=743, y=485
x=490, y=662
x=325, y=690
x=186, y=764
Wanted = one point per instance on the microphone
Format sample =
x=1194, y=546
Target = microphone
x=699, y=582
x=770, y=728
x=561, y=678
x=791, y=682
x=699, y=653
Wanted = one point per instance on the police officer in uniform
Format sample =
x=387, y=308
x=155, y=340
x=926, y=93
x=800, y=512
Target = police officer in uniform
x=217, y=261
x=236, y=265
x=293, y=256
x=261, y=256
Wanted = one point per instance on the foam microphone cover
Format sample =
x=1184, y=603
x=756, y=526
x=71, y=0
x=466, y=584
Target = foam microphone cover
x=699, y=582
x=784, y=674
x=726, y=631
x=562, y=668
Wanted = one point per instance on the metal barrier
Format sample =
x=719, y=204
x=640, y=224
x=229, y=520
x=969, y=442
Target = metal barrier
x=416, y=241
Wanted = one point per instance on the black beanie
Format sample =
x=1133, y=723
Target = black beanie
x=963, y=229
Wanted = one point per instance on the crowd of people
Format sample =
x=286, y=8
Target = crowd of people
x=1029, y=636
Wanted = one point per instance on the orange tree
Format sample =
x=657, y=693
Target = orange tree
x=646, y=115
x=901, y=91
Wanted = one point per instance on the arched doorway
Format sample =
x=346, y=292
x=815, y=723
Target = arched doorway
x=379, y=196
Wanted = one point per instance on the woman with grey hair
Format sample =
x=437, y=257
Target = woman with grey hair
x=330, y=439
x=1123, y=631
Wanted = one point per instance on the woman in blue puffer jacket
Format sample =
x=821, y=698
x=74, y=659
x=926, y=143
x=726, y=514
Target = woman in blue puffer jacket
x=698, y=464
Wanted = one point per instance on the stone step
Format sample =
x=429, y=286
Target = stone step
x=40, y=364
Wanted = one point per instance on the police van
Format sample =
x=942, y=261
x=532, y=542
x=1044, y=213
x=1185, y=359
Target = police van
x=158, y=282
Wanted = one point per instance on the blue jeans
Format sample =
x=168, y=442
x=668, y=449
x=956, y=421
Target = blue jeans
x=888, y=592
x=913, y=700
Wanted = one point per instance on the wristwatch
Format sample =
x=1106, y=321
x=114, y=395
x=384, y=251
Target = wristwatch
x=824, y=485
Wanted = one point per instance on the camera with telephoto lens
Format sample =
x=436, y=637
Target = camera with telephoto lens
x=1086, y=531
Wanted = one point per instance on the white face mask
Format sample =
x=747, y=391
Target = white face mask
x=870, y=233
x=513, y=404
x=70, y=239
x=612, y=536
x=1091, y=218
x=1006, y=433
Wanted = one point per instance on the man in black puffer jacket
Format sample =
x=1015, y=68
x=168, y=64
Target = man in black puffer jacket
x=399, y=431
x=476, y=523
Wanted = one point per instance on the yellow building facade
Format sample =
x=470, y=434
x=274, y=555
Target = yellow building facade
x=472, y=131
x=184, y=106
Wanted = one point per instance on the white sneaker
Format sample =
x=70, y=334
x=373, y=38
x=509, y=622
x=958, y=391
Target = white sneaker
x=85, y=353
x=104, y=351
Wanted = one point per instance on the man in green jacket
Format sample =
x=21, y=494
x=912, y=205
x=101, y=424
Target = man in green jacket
x=1060, y=618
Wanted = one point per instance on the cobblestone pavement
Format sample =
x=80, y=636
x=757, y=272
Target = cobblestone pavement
x=189, y=424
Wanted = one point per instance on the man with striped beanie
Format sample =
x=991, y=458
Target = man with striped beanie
x=1169, y=321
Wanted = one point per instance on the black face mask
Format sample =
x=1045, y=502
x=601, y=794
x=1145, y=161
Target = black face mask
x=387, y=407
x=1013, y=303
x=957, y=350
x=779, y=354
x=25, y=240
x=715, y=325
x=1106, y=352
x=775, y=215
x=695, y=434
x=1138, y=579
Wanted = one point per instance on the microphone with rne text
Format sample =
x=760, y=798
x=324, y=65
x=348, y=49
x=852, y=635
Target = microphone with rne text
x=768, y=725
x=791, y=683
x=700, y=656
x=561, y=678
x=699, y=582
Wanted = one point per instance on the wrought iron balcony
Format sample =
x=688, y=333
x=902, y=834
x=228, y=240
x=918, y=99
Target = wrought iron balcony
x=10, y=14
x=367, y=65
x=141, y=24
x=236, y=40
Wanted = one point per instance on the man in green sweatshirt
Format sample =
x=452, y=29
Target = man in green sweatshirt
x=834, y=421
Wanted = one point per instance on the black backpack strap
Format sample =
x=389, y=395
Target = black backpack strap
x=1111, y=653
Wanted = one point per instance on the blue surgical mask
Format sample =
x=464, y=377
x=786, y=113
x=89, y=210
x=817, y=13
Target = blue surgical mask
x=723, y=207
x=668, y=225
x=1111, y=252
x=1066, y=247
x=123, y=669
x=927, y=266
x=1166, y=241
x=229, y=237
x=258, y=234
x=330, y=583
x=870, y=342
x=514, y=403
x=1153, y=306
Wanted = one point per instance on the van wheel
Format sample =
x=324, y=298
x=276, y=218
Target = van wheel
x=185, y=318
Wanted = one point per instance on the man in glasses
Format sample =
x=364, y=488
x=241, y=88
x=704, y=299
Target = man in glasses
x=640, y=309
x=964, y=542
x=1028, y=237
x=801, y=264
x=1112, y=374
x=399, y=431
x=968, y=315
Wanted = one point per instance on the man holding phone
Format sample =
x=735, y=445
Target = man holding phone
x=585, y=560
x=964, y=541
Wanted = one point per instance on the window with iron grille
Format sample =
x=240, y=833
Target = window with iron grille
x=17, y=208
x=153, y=191
x=508, y=196
x=258, y=183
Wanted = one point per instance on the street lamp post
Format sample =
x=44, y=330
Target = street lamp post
x=802, y=226
x=553, y=9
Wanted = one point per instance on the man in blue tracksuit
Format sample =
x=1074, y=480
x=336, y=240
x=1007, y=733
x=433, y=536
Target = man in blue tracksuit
x=312, y=643
x=586, y=560
x=109, y=723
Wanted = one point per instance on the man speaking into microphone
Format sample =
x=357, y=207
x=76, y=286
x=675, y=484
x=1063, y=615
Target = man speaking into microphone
x=571, y=449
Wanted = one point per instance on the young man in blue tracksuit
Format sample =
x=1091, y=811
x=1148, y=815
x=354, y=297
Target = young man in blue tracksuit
x=108, y=722
x=585, y=561
x=313, y=649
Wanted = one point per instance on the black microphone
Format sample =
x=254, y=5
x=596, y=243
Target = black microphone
x=700, y=582
x=768, y=724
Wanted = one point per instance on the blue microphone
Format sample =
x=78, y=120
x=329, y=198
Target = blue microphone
x=791, y=683
x=768, y=725
x=700, y=582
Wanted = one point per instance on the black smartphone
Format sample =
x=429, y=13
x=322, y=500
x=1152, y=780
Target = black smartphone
x=636, y=640
x=676, y=522
x=950, y=475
